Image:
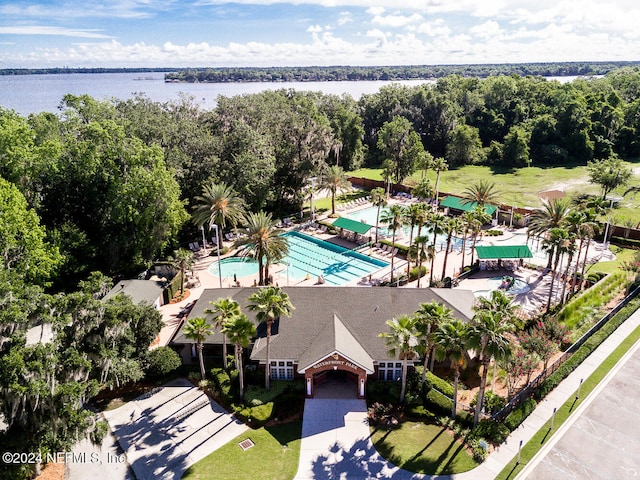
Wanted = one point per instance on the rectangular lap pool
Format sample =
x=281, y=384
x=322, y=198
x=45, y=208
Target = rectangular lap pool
x=308, y=256
x=338, y=265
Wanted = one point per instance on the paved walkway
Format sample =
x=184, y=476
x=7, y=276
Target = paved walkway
x=167, y=430
x=336, y=443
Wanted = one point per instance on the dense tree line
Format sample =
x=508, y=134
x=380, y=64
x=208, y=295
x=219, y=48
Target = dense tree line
x=114, y=182
x=399, y=72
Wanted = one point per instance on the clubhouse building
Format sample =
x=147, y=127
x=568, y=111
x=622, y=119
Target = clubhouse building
x=332, y=331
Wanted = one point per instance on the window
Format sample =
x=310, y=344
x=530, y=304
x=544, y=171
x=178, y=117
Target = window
x=281, y=370
x=389, y=371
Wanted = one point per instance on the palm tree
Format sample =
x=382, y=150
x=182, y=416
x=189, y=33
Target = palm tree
x=402, y=341
x=451, y=227
x=587, y=230
x=488, y=335
x=553, y=214
x=436, y=223
x=483, y=193
x=480, y=218
x=240, y=331
x=224, y=310
x=198, y=329
x=378, y=199
x=182, y=259
x=421, y=252
x=428, y=319
x=416, y=213
x=388, y=170
x=394, y=217
x=468, y=221
x=439, y=164
x=452, y=339
x=555, y=244
x=423, y=189
x=335, y=181
x=264, y=242
x=270, y=303
x=218, y=205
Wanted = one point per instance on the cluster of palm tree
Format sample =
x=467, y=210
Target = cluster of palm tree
x=421, y=215
x=434, y=333
x=219, y=205
x=566, y=231
x=227, y=317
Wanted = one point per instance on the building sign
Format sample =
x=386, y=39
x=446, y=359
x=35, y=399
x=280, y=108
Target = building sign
x=335, y=362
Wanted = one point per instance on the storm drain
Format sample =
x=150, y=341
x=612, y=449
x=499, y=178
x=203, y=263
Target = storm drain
x=246, y=444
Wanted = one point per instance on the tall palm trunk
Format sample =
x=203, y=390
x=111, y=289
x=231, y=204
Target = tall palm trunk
x=419, y=268
x=238, y=350
x=575, y=272
x=393, y=243
x=201, y=359
x=584, y=263
x=446, y=254
x=456, y=377
x=409, y=249
x=566, y=278
x=553, y=276
x=433, y=259
x=267, y=370
x=464, y=246
x=481, y=390
x=403, y=387
x=377, y=222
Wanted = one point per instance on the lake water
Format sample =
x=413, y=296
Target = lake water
x=43, y=93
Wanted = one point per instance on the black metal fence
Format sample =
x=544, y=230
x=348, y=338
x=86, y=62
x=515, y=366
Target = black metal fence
x=532, y=386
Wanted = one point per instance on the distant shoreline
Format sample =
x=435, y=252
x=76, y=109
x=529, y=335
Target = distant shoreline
x=345, y=73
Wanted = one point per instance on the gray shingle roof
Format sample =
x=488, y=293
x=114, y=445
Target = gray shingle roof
x=312, y=329
x=140, y=291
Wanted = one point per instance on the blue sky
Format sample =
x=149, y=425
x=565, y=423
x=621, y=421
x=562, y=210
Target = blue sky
x=150, y=33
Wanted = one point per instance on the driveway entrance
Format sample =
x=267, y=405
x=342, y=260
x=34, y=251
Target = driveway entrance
x=336, y=443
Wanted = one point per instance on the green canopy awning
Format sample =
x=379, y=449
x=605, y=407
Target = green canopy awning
x=352, y=225
x=503, y=251
x=458, y=204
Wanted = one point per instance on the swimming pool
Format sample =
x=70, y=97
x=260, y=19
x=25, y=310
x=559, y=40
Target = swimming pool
x=368, y=216
x=307, y=256
x=517, y=287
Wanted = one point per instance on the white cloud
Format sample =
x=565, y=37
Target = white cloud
x=48, y=30
x=396, y=20
x=488, y=29
x=344, y=18
x=314, y=29
x=375, y=10
x=437, y=28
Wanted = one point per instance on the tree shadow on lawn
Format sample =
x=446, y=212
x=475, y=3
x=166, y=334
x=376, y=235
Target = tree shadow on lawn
x=285, y=433
x=421, y=462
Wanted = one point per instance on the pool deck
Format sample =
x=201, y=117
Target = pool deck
x=532, y=301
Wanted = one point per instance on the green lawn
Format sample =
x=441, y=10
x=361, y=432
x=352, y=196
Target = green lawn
x=622, y=255
x=274, y=456
x=520, y=187
x=544, y=434
x=422, y=448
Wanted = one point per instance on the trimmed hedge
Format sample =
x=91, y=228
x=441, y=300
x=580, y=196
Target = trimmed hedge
x=515, y=418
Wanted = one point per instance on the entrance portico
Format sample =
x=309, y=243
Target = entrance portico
x=317, y=373
x=336, y=350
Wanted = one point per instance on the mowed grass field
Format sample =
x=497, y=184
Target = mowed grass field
x=521, y=187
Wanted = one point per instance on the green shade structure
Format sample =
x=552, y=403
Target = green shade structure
x=352, y=225
x=457, y=204
x=503, y=251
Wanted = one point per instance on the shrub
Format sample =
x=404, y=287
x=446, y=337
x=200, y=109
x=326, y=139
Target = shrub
x=515, y=418
x=415, y=273
x=161, y=362
x=492, y=402
x=494, y=233
x=495, y=432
